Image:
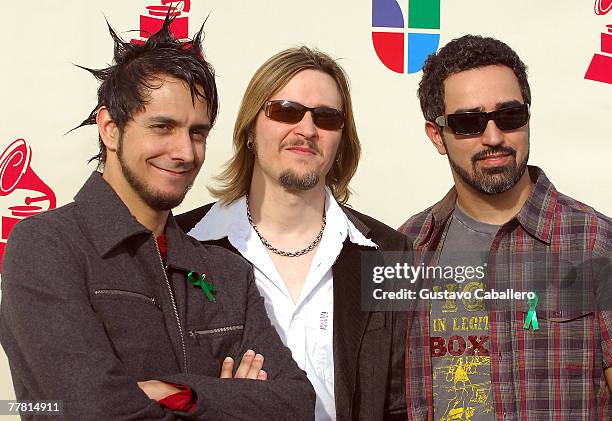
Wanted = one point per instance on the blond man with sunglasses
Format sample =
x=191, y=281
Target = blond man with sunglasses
x=508, y=356
x=282, y=206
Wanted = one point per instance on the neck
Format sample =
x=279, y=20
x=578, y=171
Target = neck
x=150, y=218
x=277, y=210
x=496, y=209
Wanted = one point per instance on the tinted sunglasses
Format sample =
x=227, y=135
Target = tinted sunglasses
x=475, y=123
x=292, y=112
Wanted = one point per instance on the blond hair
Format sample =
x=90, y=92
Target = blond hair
x=273, y=75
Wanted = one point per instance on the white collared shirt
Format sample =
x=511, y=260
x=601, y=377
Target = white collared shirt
x=305, y=327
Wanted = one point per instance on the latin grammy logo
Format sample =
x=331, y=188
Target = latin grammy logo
x=16, y=174
x=156, y=14
x=600, y=69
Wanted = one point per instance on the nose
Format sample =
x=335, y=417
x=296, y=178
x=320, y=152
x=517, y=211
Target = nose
x=492, y=135
x=182, y=147
x=306, y=127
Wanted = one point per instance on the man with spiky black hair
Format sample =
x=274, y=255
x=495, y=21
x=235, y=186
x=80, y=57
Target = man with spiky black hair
x=113, y=310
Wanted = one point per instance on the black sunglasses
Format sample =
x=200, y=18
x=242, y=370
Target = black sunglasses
x=292, y=112
x=475, y=123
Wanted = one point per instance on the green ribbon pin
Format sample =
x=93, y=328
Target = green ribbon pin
x=200, y=281
x=532, y=318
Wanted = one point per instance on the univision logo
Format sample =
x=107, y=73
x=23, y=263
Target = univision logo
x=401, y=42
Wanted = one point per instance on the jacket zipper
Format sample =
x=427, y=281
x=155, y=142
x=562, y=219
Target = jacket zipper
x=176, y=315
x=143, y=297
x=193, y=333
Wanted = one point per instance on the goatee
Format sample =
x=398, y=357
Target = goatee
x=493, y=180
x=292, y=181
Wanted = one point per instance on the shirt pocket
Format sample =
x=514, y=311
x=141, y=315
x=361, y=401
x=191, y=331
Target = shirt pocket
x=559, y=318
x=565, y=340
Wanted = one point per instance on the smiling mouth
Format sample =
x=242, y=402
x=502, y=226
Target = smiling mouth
x=177, y=173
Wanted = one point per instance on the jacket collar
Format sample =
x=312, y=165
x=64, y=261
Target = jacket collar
x=110, y=222
x=181, y=248
x=359, y=227
x=536, y=216
x=107, y=217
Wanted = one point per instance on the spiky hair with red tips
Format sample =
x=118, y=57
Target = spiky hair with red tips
x=137, y=68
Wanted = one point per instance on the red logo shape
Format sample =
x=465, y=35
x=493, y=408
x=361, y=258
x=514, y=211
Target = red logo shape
x=389, y=47
x=603, y=6
x=16, y=174
x=156, y=14
x=600, y=69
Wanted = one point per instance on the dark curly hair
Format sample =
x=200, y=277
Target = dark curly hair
x=136, y=70
x=465, y=53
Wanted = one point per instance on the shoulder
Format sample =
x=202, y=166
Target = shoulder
x=382, y=234
x=48, y=243
x=186, y=221
x=58, y=222
x=577, y=214
x=413, y=226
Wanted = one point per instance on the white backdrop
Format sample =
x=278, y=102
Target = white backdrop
x=44, y=95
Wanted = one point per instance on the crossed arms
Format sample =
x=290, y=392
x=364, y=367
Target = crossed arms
x=59, y=348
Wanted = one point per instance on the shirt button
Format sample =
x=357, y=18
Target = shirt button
x=557, y=313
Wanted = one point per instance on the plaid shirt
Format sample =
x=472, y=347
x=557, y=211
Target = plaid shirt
x=556, y=372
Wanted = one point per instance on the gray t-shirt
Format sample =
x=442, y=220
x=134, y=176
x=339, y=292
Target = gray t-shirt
x=459, y=328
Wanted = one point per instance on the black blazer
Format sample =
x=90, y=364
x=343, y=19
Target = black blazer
x=369, y=347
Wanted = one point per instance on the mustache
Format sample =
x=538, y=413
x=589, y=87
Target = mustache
x=495, y=150
x=302, y=142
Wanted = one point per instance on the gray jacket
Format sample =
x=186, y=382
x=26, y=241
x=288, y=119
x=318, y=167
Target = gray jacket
x=88, y=309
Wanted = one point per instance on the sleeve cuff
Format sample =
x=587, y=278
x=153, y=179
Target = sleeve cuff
x=184, y=400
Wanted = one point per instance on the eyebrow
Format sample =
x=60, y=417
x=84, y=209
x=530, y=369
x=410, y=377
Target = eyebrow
x=511, y=103
x=498, y=106
x=172, y=122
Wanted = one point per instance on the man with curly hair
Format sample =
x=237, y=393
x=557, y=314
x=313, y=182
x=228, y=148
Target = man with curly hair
x=543, y=349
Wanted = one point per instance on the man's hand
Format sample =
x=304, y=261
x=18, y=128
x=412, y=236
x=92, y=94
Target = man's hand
x=157, y=390
x=250, y=367
x=608, y=374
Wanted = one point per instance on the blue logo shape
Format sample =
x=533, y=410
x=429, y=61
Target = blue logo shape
x=396, y=43
x=419, y=47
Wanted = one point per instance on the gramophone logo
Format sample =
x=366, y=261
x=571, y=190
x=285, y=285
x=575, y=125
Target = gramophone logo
x=401, y=42
x=28, y=194
x=600, y=68
x=154, y=19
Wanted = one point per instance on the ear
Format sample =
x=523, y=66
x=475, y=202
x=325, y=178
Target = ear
x=109, y=132
x=434, y=133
